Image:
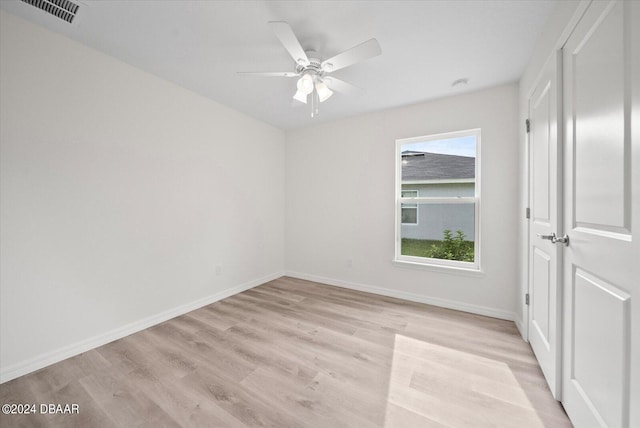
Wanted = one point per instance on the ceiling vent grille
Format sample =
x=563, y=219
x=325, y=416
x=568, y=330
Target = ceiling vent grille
x=63, y=9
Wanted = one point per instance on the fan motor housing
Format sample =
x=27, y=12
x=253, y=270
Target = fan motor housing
x=315, y=64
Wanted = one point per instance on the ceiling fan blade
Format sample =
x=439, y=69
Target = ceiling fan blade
x=358, y=53
x=289, y=40
x=269, y=73
x=340, y=85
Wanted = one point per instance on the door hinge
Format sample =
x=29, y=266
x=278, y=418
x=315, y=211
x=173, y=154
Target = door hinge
x=526, y=299
x=527, y=212
x=527, y=124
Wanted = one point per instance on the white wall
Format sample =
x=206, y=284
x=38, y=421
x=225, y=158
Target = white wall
x=120, y=194
x=340, y=201
x=551, y=38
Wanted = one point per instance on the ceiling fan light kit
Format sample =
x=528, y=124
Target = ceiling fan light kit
x=300, y=96
x=323, y=90
x=313, y=86
x=305, y=83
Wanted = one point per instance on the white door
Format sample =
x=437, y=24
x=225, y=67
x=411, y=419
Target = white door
x=544, y=270
x=601, y=357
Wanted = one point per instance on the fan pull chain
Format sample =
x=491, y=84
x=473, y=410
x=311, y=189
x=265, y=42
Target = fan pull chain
x=315, y=103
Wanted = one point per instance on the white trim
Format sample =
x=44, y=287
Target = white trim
x=441, y=136
x=405, y=295
x=399, y=200
x=558, y=45
x=452, y=267
x=520, y=299
x=441, y=181
x=19, y=369
x=521, y=326
x=440, y=200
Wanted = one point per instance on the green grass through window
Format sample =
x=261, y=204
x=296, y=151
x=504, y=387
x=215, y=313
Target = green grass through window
x=452, y=247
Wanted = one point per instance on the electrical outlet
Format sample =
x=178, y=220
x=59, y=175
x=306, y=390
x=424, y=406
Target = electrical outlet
x=350, y=263
x=218, y=269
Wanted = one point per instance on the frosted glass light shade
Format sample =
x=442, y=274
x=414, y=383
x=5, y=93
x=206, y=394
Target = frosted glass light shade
x=300, y=96
x=305, y=84
x=323, y=91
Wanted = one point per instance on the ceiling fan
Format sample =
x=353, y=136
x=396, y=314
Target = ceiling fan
x=314, y=84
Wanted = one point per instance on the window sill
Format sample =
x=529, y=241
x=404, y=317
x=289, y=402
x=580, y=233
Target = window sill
x=452, y=270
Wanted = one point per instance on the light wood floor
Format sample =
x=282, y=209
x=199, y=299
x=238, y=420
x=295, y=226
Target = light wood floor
x=299, y=353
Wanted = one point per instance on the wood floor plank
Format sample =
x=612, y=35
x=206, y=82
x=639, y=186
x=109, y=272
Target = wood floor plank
x=122, y=401
x=184, y=404
x=397, y=416
x=255, y=351
x=294, y=353
x=304, y=400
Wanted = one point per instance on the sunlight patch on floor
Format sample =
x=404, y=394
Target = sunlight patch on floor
x=428, y=382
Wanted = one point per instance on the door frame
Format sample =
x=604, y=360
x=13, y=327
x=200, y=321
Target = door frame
x=556, y=50
x=557, y=47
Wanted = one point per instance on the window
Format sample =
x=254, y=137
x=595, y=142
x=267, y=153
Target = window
x=409, y=211
x=438, y=200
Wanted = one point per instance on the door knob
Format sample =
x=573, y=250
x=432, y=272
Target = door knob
x=555, y=239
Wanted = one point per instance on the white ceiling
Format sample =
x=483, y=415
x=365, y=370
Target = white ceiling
x=200, y=45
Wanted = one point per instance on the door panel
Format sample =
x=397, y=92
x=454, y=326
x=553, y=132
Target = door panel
x=544, y=193
x=540, y=299
x=597, y=75
x=600, y=286
x=599, y=308
x=540, y=138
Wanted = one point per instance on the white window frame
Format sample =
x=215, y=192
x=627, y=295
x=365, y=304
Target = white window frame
x=416, y=208
x=432, y=262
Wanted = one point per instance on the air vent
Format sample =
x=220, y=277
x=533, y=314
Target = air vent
x=63, y=9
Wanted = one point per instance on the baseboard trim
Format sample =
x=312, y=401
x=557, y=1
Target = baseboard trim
x=46, y=359
x=444, y=303
x=520, y=325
